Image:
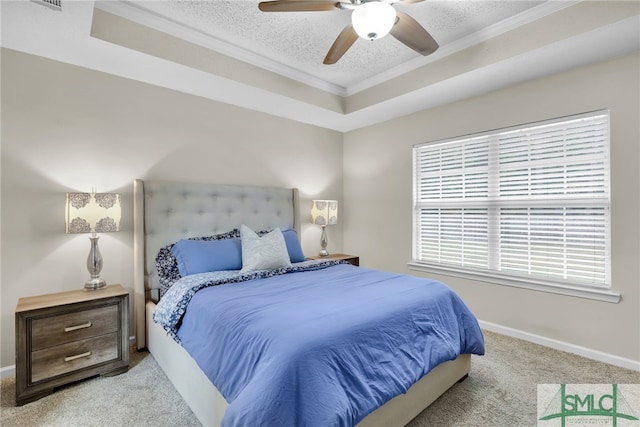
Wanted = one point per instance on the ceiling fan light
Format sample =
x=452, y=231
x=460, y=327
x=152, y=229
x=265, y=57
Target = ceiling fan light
x=373, y=20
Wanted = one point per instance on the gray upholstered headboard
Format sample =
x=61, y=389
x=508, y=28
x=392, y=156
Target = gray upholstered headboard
x=166, y=211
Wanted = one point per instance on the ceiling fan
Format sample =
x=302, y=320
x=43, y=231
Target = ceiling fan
x=370, y=19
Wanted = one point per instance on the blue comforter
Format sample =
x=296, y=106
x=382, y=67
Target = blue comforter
x=323, y=347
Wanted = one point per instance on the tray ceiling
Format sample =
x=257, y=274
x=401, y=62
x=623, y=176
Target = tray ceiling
x=299, y=41
x=230, y=52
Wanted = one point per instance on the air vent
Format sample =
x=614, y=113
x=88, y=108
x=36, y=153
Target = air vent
x=53, y=4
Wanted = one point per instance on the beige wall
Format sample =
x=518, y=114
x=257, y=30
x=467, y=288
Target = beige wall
x=65, y=128
x=378, y=194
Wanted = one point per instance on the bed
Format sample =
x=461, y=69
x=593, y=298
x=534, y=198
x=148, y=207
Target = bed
x=167, y=212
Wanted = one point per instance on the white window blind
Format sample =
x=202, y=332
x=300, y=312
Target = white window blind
x=528, y=201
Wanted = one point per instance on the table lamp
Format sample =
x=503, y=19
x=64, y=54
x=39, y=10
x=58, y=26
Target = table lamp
x=323, y=213
x=93, y=213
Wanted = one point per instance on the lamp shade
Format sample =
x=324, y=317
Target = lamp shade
x=324, y=212
x=373, y=20
x=92, y=212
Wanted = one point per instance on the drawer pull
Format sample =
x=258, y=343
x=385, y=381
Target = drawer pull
x=77, y=356
x=75, y=328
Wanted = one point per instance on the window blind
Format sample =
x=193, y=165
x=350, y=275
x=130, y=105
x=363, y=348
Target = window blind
x=530, y=201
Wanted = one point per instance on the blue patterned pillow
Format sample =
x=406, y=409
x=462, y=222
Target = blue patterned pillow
x=167, y=264
x=167, y=267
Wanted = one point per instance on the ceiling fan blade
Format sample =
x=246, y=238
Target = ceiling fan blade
x=410, y=1
x=298, y=5
x=412, y=34
x=343, y=42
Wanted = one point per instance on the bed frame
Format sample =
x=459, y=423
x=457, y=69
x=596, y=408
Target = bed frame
x=165, y=212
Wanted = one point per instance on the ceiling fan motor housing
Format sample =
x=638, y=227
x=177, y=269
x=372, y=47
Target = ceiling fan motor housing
x=373, y=20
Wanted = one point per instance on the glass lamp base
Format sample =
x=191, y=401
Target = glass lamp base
x=323, y=242
x=95, y=283
x=94, y=265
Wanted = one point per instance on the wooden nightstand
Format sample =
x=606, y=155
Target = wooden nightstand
x=68, y=336
x=351, y=259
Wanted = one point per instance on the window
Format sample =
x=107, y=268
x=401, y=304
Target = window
x=529, y=202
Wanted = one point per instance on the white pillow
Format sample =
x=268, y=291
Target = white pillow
x=263, y=253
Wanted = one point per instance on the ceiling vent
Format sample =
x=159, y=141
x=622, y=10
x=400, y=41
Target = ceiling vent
x=53, y=4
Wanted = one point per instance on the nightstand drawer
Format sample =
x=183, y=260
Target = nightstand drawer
x=65, y=328
x=76, y=355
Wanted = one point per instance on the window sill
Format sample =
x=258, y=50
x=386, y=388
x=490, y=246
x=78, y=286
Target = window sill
x=536, y=285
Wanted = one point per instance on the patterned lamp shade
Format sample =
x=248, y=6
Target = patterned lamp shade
x=324, y=212
x=92, y=212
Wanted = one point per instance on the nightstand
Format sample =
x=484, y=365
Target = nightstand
x=351, y=259
x=69, y=336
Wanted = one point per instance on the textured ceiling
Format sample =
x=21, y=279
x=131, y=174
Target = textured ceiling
x=300, y=40
x=194, y=48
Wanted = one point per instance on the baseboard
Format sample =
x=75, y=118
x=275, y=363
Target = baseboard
x=563, y=346
x=7, y=372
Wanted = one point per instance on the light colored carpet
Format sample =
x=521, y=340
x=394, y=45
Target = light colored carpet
x=143, y=396
x=501, y=391
x=502, y=387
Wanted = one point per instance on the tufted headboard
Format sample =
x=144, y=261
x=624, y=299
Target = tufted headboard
x=166, y=211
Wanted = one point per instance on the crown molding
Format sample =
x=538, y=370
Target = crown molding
x=509, y=24
x=134, y=13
